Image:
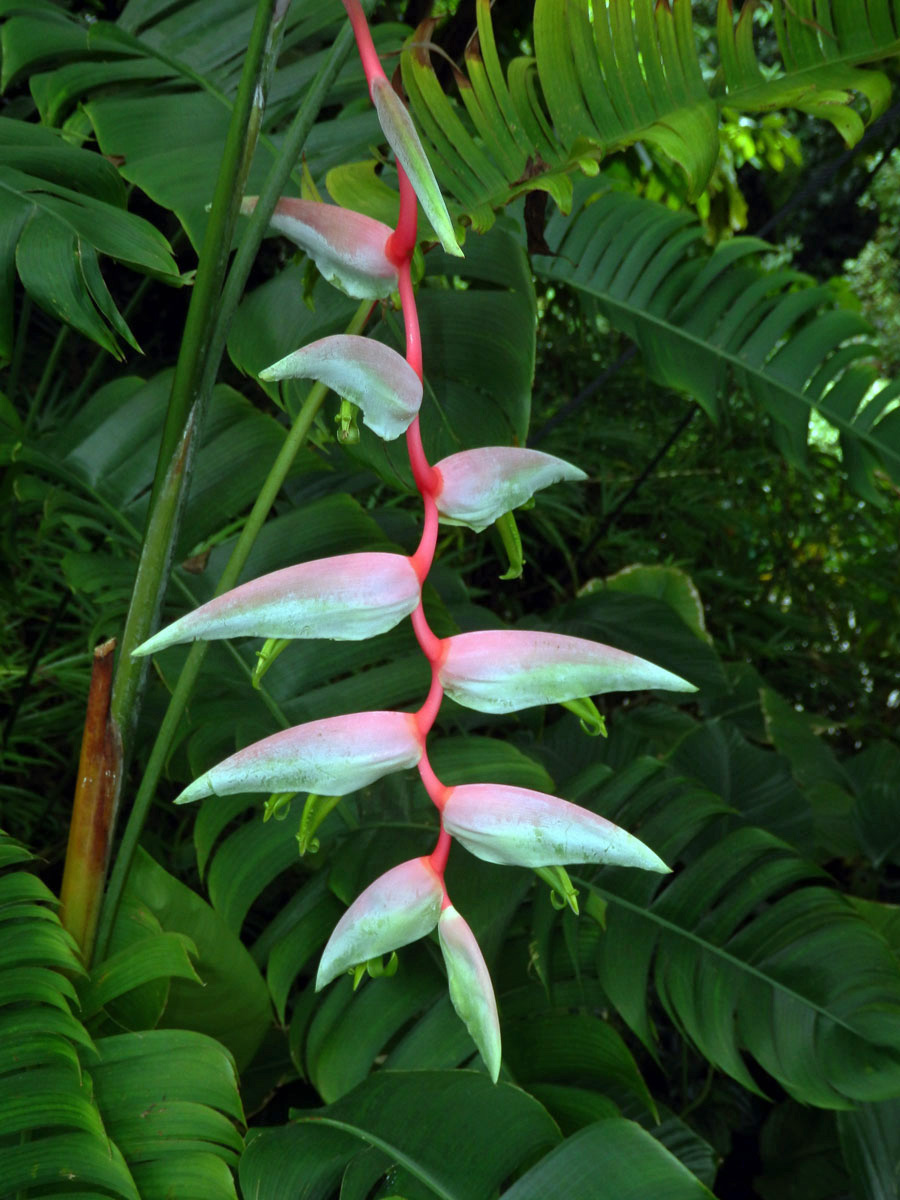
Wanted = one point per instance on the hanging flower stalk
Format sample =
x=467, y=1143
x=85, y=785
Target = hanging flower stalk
x=356, y=596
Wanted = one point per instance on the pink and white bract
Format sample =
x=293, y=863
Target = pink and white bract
x=470, y=987
x=347, y=598
x=478, y=486
x=330, y=757
x=503, y=670
x=346, y=246
x=400, y=907
x=373, y=376
x=356, y=596
x=523, y=828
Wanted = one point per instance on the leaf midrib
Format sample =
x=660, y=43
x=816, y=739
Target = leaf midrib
x=721, y=953
x=859, y=61
x=882, y=449
x=389, y=1148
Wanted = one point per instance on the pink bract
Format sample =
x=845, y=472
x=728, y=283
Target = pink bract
x=478, y=486
x=520, y=827
x=348, y=597
x=330, y=757
x=371, y=375
x=508, y=669
x=398, y=908
x=347, y=247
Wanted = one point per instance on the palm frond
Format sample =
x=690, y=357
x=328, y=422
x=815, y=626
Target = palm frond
x=749, y=952
x=608, y=75
x=136, y=1116
x=705, y=319
x=822, y=45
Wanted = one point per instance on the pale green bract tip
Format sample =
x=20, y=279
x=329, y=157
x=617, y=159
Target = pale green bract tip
x=403, y=139
x=470, y=987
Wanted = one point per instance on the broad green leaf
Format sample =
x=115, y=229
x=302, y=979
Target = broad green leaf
x=670, y=584
x=301, y=1161
x=820, y=60
x=870, y=1142
x=875, y=815
x=477, y=759
x=748, y=778
x=458, y=1134
x=609, y=1160
x=160, y=956
x=575, y=1049
x=176, y=1064
x=347, y=1035
x=303, y=928
x=227, y=998
x=45, y=1097
x=170, y=1101
x=60, y=209
x=76, y=1157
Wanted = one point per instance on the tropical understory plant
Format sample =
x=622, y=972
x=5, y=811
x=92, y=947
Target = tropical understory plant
x=755, y=985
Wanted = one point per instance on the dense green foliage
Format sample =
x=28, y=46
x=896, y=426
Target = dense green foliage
x=733, y=1029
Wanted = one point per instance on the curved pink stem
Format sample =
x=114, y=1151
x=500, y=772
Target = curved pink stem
x=399, y=251
x=410, y=319
x=438, y=860
x=424, y=556
x=425, y=717
x=438, y=792
x=402, y=242
x=371, y=63
x=432, y=646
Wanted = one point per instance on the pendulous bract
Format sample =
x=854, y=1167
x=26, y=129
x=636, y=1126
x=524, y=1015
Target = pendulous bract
x=356, y=596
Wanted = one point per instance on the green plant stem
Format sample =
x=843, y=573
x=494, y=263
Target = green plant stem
x=188, y=399
x=46, y=377
x=216, y=249
x=197, y=653
x=131, y=672
x=276, y=181
x=15, y=367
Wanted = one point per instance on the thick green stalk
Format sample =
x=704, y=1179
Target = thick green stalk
x=197, y=653
x=231, y=293
x=273, y=189
x=188, y=399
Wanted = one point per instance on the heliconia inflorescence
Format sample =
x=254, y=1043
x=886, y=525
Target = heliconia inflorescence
x=356, y=596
